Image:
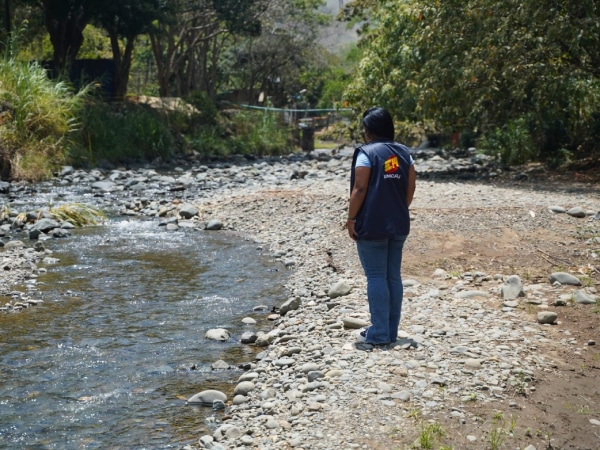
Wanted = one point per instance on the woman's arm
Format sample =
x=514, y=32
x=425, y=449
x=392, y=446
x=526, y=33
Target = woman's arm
x=412, y=183
x=357, y=197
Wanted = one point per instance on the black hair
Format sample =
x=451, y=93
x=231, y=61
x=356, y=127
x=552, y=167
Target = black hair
x=379, y=123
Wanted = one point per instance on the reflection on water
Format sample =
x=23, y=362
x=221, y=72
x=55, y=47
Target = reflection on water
x=118, y=346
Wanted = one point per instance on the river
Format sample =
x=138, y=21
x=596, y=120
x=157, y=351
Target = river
x=110, y=357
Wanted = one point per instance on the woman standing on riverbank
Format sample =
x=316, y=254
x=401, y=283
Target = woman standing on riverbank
x=382, y=186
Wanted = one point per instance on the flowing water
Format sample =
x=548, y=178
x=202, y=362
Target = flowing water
x=110, y=357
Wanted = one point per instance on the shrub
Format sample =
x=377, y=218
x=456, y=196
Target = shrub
x=207, y=111
x=513, y=142
x=37, y=117
x=121, y=133
x=245, y=133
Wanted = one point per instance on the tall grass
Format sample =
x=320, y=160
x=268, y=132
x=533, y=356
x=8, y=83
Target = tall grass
x=37, y=116
x=121, y=133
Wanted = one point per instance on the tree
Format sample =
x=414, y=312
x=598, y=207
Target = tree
x=65, y=21
x=188, y=46
x=481, y=65
x=274, y=61
x=7, y=17
x=124, y=21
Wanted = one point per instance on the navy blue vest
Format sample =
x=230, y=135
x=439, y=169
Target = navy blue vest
x=384, y=213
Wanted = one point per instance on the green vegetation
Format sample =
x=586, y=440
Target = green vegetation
x=243, y=133
x=521, y=77
x=514, y=79
x=430, y=434
x=497, y=432
x=37, y=118
x=121, y=133
x=78, y=214
x=212, y=54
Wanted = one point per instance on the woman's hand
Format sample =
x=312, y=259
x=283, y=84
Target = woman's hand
x=350, y=226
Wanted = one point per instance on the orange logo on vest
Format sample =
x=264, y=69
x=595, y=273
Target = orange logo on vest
x=391, y=165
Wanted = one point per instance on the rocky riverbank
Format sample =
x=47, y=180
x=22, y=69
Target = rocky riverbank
x=494, y=328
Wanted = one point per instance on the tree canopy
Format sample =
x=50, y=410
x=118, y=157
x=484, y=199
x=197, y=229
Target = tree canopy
x=485, y=65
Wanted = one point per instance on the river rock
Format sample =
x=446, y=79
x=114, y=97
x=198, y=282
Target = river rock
x=290, y=305
x=248, y=337
x=187, y=211
x=104, y=186
x=45, y=225
x=565, y=278
x=59, y=233
x=354, y=323
x=265, y=339
x=472, y=294
x=66, y=170
x=557, y=209
x=244, y=388
x=282, y=362
x=439, y=274
x=220, y=365
x=214, y=225
x=547, y=317
x=512, y=288
x=208, y=442
x=217, y=334
x=207, y=397
x=339, y=289
x=577, y=211
x=239, y=399
x=13, y=244
x=227, y=431
x=584, y=298
x=35, y=234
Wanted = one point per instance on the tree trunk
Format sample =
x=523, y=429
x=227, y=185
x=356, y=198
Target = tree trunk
x=66, y=35
x=7, y=16
x=122, y=60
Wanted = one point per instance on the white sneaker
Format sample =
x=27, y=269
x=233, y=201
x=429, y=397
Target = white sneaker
x=362, y=335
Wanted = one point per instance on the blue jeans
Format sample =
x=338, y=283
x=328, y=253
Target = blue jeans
x=381, y=261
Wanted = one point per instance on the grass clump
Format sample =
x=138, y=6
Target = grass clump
x=430, y=434
x=78, y=214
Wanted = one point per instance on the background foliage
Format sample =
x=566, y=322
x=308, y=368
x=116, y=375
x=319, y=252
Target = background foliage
x=513, y=77
x=211, y=53
x=490, y=67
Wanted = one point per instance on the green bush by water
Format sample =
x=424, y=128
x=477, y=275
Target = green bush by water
x=37, y=118
x=44, y=124
x=513, y=142
x=121, y=133
x=243, y=133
